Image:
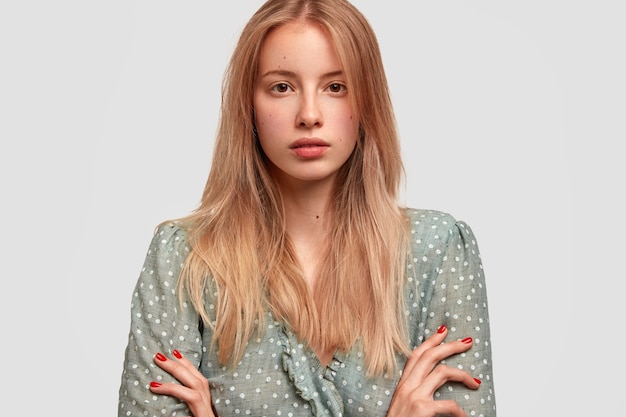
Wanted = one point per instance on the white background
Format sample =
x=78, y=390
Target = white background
x=510, y=115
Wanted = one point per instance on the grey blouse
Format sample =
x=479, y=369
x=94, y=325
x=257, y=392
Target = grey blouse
x=280, y=376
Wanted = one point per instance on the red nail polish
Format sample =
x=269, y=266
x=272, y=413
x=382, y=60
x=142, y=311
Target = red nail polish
x=441, y=328
x=177, y=354
x=478, y=381
x=467, y=340
x=161, y=357
x=154, y=384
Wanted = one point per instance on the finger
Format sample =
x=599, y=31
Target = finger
x=427, y=360
x=173, y=389
x=432, y=357
x=416, y=406
x=448, y=407
x=442, y=374
x=419, y=400
x=181, y=369
x=199, y=402
x=186, y=363
x=434, y=340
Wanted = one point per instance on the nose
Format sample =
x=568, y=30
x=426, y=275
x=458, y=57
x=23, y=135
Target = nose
x=309, y=113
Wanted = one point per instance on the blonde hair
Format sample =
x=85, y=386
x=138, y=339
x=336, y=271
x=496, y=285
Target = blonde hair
x=239, y=247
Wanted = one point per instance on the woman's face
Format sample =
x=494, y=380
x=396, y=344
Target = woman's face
x=303, y=114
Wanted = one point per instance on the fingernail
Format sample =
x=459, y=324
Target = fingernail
x=177, y=354
x=161, y=357
x=467, y=340
x=154, y=384
x=478, y=381
x=441, y=328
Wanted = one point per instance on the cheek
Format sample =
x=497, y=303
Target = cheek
x=266, y=125
x=349, y=127
x=345, y=119
x=266, y=116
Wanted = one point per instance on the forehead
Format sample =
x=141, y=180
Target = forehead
x=299, y=43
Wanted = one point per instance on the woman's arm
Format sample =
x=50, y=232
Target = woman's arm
x=449, y=286
x=423, y=375
x=193, y=388
x=158, y=324
x=459, y=301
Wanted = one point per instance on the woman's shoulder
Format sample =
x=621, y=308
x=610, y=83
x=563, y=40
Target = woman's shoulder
x=435, y=228
x=171, y=228
x=430, y=219
x=170, y=236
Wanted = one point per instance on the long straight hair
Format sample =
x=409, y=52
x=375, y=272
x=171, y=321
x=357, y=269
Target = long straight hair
x=239, y=246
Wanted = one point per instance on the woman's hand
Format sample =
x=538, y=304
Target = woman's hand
x=423, y=375
x=194, y=389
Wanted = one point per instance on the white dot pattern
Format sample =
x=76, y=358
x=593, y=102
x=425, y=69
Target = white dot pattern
x=280, y=376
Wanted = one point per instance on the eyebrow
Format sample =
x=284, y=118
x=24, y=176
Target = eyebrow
x=285, y=73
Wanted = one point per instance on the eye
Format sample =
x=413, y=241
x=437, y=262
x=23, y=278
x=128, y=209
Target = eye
x=281, y=88
x=337, y=88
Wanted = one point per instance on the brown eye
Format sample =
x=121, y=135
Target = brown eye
x=281, y=88
x=336, y=88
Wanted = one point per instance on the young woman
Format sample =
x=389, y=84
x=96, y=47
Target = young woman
x=299, y=286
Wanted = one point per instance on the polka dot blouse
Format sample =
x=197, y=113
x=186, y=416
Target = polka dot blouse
x=278, y=375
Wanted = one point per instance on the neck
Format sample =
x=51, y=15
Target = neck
x=307, y=214
x=306, y=203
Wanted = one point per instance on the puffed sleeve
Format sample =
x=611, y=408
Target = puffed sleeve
x=447, y=268
x=159, y=323
x=459, y=300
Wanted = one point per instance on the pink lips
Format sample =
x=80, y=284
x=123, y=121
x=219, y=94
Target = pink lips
x=309, y=148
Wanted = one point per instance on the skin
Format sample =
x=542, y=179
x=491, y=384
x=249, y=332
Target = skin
x=421, y=377
x=423, y=374
x=301, y=93
x=193, y=388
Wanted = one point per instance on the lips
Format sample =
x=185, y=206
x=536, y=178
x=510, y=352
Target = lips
x=309, y=148
x=308, y=142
